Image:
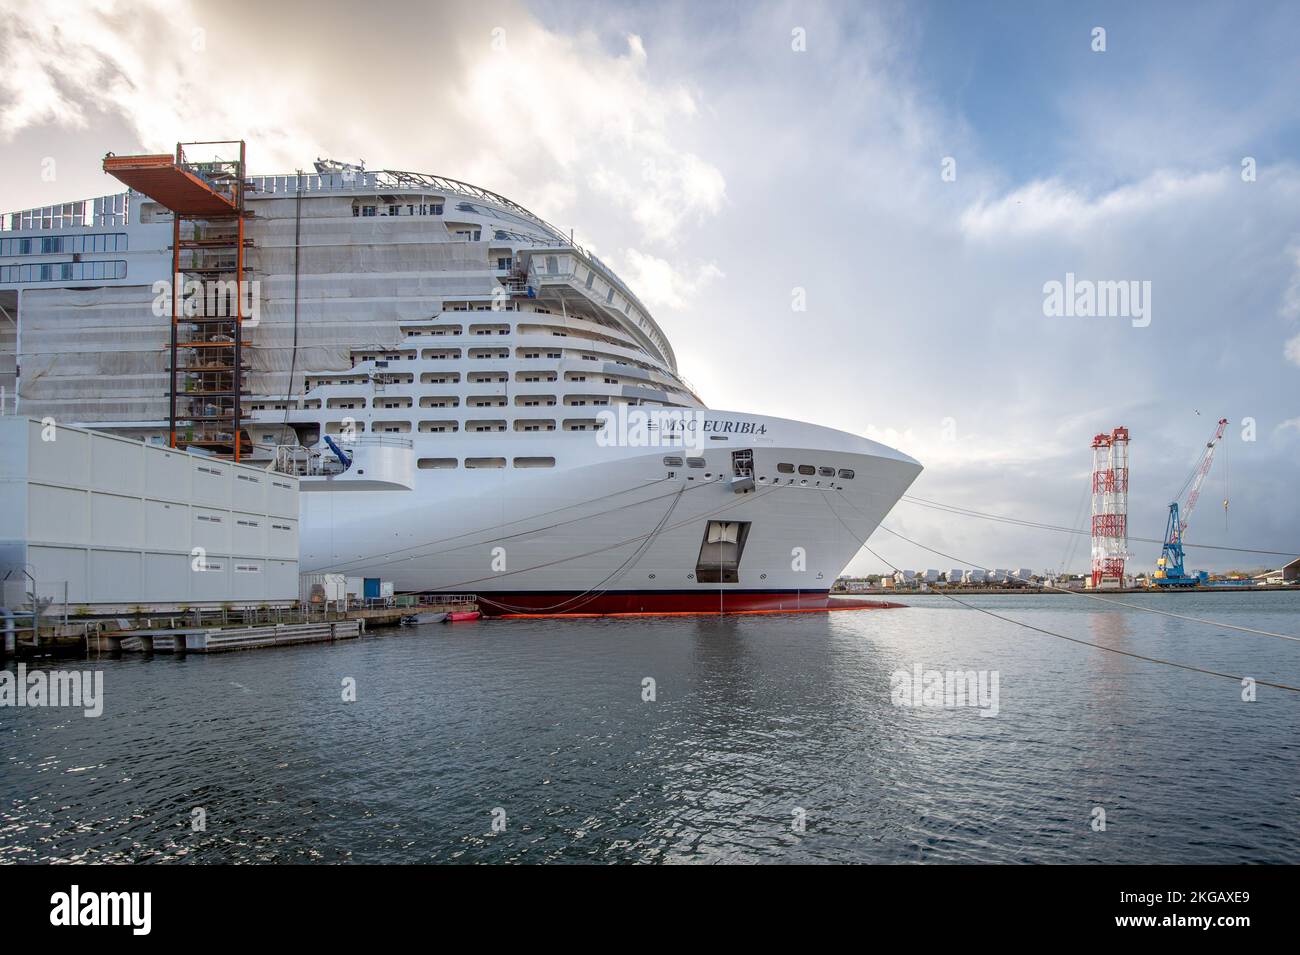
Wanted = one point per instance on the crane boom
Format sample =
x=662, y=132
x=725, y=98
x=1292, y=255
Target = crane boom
x=1204, y=469
x=1169, y=568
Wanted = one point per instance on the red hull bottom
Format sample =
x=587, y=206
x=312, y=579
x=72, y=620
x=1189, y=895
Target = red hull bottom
x=659, y=603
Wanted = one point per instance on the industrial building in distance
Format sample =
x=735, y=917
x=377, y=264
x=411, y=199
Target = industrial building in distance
x=1022, y=578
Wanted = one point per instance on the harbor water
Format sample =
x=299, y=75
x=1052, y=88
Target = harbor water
x=770, y=738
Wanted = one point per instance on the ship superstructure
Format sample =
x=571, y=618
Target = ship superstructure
x=473, y=401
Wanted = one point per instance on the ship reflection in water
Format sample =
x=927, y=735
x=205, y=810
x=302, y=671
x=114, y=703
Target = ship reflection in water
x=768, y=738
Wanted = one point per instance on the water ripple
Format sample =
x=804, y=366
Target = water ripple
x=759, y=723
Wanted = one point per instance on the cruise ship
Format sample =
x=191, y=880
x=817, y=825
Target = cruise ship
x=474, y=403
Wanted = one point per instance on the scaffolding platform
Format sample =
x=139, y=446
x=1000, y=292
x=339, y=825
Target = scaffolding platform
x=209, y=261
x=170, y=183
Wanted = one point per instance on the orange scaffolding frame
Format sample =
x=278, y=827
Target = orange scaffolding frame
x=209, y=247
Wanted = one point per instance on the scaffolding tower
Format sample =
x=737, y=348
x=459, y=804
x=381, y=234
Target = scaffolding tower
x=208, y=306
x=1109, y=508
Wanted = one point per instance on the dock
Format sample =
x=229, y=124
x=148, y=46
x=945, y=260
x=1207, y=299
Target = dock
x=224, y=639
x=210, y=631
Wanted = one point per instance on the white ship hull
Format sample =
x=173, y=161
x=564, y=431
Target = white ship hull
x=614, y=531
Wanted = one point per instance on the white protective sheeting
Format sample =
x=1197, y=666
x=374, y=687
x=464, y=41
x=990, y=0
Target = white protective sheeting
x=101, y=354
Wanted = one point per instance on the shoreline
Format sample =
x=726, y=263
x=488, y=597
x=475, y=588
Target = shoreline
x=1040, y=591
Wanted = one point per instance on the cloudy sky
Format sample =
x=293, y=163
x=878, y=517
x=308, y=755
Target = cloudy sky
x=913, y=173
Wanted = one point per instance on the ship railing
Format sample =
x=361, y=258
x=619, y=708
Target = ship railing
x=114, y=210
x=383, y=180
x=432, y=599
x=302, y=461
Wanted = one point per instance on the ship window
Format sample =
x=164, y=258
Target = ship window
x=807, y=469
x=695, y=462
x=591, y=277
x=485, y=462
x=826, y=472
x=846, y=473
x=428, y=464
x=672, y=462
x=720, y=552
x=552, y=265
x=534, y=462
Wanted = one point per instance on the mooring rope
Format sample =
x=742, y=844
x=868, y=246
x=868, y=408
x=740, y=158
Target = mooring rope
x=1039, y=525
x=1109, y=600
x=1052, y=633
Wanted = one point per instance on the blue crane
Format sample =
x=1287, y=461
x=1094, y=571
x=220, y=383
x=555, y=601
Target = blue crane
x=1169, y=568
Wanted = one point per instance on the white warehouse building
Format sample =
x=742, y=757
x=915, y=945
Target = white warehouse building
x=108, y=523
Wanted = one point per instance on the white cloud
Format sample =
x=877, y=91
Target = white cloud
x=544, y=117
x=1053, y=207
x=1290, y=308
x=1292, y=350
x=659, y=284
x=599, y=119
x=152, y=63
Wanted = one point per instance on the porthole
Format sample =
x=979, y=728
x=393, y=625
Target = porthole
x=785, y=468
x=846, y=473
x=826, y=472
x=807, y=469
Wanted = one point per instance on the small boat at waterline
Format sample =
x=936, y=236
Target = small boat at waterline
x=429, y=617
